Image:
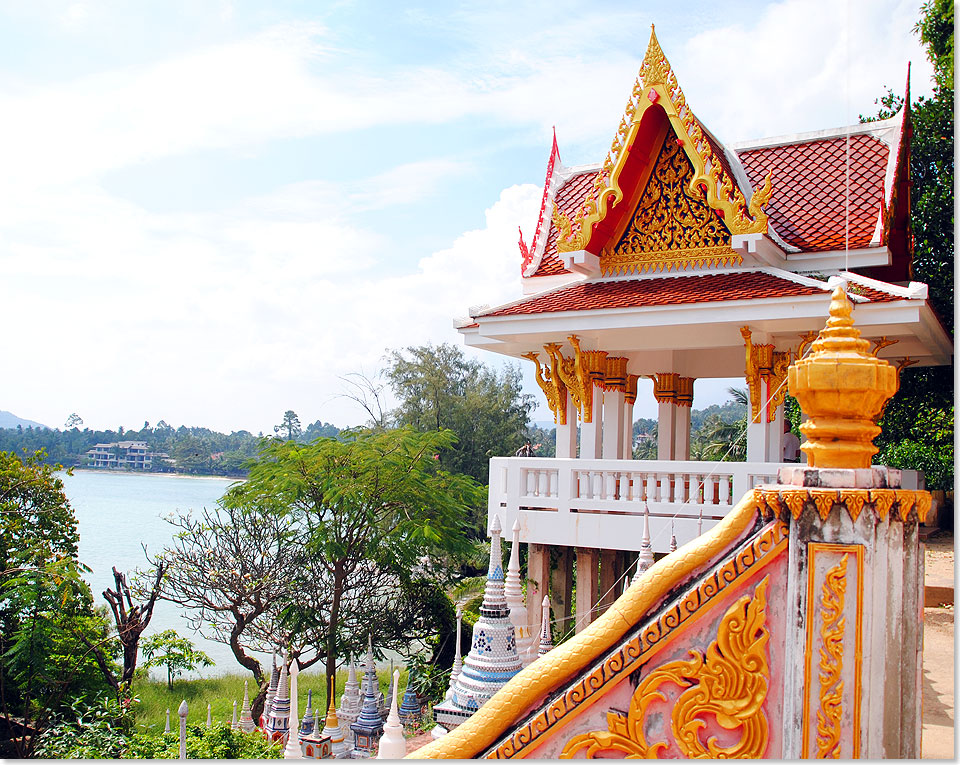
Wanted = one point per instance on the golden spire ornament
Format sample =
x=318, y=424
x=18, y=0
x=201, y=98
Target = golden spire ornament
x=842, y=387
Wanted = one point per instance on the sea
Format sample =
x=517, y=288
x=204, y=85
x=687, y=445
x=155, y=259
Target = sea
x=120, y=514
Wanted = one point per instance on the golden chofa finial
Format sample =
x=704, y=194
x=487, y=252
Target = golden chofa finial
x=841, y=387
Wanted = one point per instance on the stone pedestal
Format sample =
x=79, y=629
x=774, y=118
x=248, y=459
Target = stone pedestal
x=854, y=641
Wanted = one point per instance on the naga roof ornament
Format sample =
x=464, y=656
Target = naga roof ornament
x=656, y=84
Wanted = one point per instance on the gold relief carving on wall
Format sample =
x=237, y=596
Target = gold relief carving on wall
x=729, y=681
x=830, y=685
x=770, y=542
x=552, y=386
x=657, y=84
x=831, y=661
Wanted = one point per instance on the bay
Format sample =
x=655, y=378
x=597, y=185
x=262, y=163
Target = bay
x=118, y=513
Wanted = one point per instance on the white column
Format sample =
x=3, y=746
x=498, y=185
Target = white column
x=775, y=437
x=590, y=432
x=665, y=430
x=757, y=432
x=613, y=424
x=567, y=433
x=627, y=444
x=681, y=441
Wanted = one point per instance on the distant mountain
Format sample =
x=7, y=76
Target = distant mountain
x=10, y=420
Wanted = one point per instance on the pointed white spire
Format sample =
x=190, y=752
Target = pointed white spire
x=166, y=728
x=392, y=744
x=271, y=689
x=292, y=750
x=645, y=558
x=332, y=728
x=233, y=721
x=626, y=584
x=700, y=523
x=546, y=639
x=457, y=657
x=209, y=717
x=673, y=537
x=513, y=591
x=246, y=717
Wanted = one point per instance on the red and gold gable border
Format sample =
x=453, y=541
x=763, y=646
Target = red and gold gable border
x=883, y=501
x=771, y=540
x=656, y=83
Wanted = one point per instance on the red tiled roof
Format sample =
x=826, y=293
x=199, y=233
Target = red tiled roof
x=568, y=199
x=807, y=208
x=680, y=290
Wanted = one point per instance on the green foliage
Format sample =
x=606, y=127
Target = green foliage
x=218, y=742
x=290, y=426
x=177, y=654
x=439, y=388
x=47, y=619
x=97, y=729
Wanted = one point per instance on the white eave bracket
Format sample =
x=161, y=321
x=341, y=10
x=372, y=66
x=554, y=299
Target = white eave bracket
x=581, y=262
x=758, y=247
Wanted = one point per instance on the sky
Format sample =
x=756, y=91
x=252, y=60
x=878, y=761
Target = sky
x=213, y=211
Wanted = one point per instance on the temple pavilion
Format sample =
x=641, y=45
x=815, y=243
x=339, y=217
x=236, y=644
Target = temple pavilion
x=678, y=258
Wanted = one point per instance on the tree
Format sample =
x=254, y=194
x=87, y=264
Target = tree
x=918, y=422
x=438, y=387
x=46, y=609
x=291, y=424
x=375, y=509
x=177, y=654
x=73, y=421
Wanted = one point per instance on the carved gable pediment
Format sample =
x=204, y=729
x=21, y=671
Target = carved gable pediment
x=672, y=225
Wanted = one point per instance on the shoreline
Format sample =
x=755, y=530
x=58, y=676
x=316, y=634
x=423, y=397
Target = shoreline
x=199, y=476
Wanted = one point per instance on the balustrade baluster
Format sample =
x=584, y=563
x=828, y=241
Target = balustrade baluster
x=725, y=490
x=651, y=493
x=709, y=495
x=543, y=483
x=554, y=483
x=681, y=493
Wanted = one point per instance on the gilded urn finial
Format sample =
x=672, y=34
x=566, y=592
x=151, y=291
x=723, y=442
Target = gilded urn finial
x=842, y=388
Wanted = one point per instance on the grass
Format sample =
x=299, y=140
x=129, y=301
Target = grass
x=220, y=692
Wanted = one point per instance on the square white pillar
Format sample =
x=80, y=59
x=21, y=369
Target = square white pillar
x=591, y=432
x=666, y=428
x=775, y=437
x=681, y=441
x=613, y=425
x=758, y=434
x=627, y=430
x=567, y=434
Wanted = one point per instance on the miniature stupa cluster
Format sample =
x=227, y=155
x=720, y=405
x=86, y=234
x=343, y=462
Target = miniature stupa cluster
x=366, y=725
x=369, y=724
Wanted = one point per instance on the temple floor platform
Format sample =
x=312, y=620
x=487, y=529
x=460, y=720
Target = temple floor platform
x=938, y=651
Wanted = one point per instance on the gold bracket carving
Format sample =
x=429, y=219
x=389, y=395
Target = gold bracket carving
x=552, y=387
x=728, y=681
x=882, y=342
x=770, y=366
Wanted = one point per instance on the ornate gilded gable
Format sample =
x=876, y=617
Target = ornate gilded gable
x=672, y=225
x=657, y=88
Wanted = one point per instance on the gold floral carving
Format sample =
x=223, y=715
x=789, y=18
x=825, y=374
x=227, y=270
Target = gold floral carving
x=752, y=374
x=672, y=224
x=854, y=500
x=570, y=660
x=579, y=374
x=729, y=681
x=795, y=499
x=905, y=501
x=777, y=382
x=638, y=650
x=632, y=381
x=824, y=501
x=615, y=373
x=657, y=84
x=552, y=386
x=882, y=502
x=831, y=661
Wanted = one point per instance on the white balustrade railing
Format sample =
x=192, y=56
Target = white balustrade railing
x=600, y=503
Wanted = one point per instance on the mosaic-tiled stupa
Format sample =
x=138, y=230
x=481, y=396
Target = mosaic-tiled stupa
x=278, y=721
x=493, y=658
x=350, y=702
x=369, y=725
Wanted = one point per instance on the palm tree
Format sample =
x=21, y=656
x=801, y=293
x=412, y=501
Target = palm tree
x=727, y=441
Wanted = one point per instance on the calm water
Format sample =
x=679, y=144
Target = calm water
x=117, y=512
